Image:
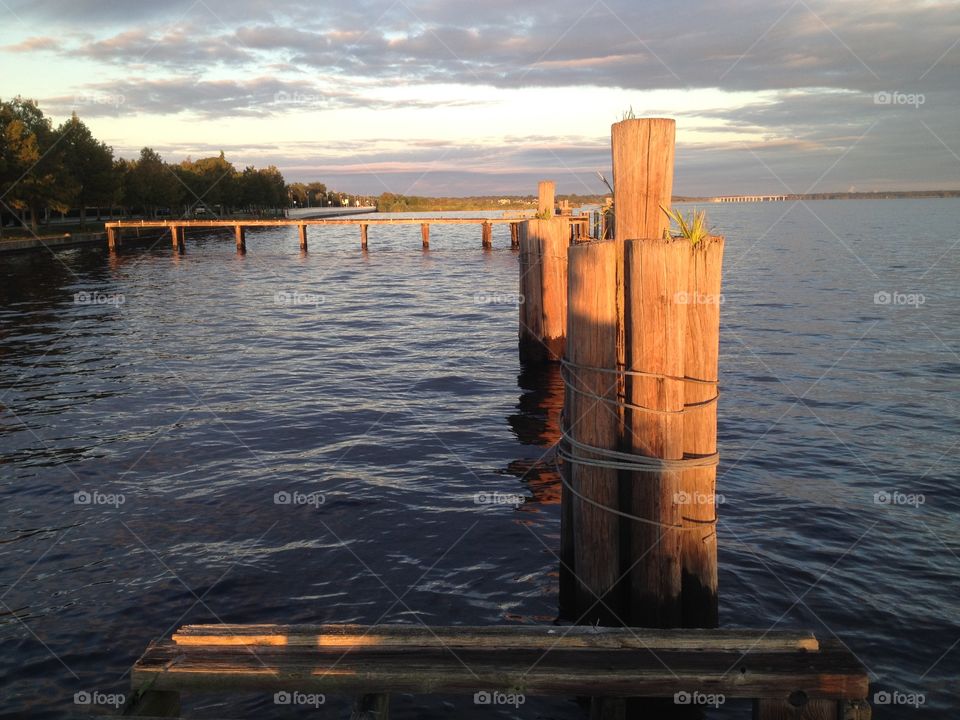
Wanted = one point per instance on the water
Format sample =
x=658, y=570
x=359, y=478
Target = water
x=394, y=394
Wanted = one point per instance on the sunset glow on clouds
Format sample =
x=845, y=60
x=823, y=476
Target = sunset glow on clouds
x=486, y=98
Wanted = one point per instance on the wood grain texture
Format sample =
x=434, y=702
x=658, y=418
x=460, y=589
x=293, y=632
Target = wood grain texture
x=655, y=273
x=592, y=319
x=546, y=194
x=698, y=486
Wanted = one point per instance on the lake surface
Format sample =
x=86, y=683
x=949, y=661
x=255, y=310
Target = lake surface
x=203, y=391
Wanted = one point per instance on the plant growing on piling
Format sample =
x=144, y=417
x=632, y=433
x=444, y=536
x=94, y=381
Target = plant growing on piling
x=628, y=115
x=692, y=227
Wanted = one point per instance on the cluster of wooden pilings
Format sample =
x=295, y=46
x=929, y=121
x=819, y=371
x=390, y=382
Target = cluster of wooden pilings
x=634, y=320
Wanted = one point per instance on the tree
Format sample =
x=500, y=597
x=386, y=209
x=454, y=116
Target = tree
x=152, y=184
x=88, y=178
x=31, y=163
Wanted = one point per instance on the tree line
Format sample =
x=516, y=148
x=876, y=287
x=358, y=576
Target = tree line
x=46, y=168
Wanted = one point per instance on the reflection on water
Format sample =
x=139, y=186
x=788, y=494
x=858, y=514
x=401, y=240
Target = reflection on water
x=400, y=398
x=537, y=423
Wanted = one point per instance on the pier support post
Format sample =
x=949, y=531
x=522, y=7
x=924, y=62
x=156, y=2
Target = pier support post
x=113, y=238
x=514, y=236
x=363, y=236
x=543, y=285
x=591, y=346
x=176, y=236
x=425, y=235
x=487, y=235
x=241, y=236
x=303, y=236
x=546, y=192
x=698, y=485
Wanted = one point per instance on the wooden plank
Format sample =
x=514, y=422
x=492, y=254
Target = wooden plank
x=335, y=221
x=496, y=637
x=832, y=673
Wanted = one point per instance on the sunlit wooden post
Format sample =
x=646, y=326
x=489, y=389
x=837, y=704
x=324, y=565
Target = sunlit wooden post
x=113, y=238
x=241, y=237
x=543, y=285
x=176, y=236
x=363, y=236
x=487, y=235
x=303, y=236
x=425, y=235
x=514, y=236
x=546, y=192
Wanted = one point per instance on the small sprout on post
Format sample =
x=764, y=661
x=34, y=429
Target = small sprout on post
x=694, y=227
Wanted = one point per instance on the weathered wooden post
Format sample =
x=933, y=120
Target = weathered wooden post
x=514, y=236
x=591, y=420
x=543, y=285
x=363, y=236
x=698, y=485
x=487, y=235
x=425, y=235
x=176, y=235
x=546, y=192
x=303, y=236
x=113, y=238
x=241, y=237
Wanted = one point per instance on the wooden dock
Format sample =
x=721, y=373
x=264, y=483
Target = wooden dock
x=579, y=227
x=815, y=679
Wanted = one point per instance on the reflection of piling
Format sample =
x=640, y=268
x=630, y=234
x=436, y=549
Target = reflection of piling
x=543, y=285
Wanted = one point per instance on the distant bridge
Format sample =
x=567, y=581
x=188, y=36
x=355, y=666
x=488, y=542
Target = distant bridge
x=747, y=198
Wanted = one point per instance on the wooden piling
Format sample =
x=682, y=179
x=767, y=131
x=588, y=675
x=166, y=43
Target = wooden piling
x=514, y=236
x=546, y=192
x=303, y=236
x=698, y=485
x=176, y=236
x=642, y=176
x=363, y=236
x=487, y=235
x=592, y=321
x=241, y=236
x=112, y=239
x=425, y=235
x=543, y=285
x=655, y=325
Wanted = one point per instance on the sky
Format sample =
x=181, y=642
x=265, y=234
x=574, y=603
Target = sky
x=486, y=97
